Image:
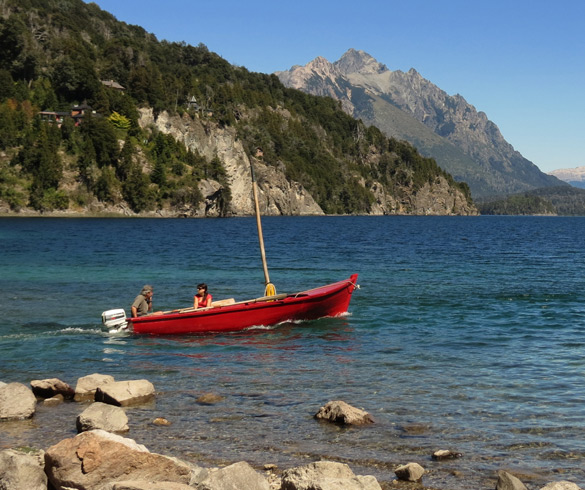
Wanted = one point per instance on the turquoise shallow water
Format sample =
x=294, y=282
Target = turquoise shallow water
x=466, y=334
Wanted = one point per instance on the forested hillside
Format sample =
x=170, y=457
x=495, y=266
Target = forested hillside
x=562, y=201
x=73, y=80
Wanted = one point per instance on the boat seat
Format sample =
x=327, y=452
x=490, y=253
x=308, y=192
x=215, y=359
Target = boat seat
x=223, y=302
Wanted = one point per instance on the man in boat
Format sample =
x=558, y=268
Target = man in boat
x=143, y=302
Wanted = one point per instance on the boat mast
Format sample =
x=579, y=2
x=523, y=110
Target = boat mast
x=270, y=290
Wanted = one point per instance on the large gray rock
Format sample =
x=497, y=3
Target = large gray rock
x=91, y=460
x=123, y=393
x=17, y=401
x=87, y=385
x=506, y=481
x=326, y=475
x=343, y=413
x=102, y=416
x=22, y=471
x=48, y=388
x=238, y=476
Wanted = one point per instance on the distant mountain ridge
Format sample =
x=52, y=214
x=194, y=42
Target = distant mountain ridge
x=573, y=176
x=463, y=141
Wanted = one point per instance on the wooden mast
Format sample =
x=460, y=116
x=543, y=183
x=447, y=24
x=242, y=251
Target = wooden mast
x=270, y=290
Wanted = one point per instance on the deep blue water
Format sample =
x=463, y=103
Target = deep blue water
x=467, y=334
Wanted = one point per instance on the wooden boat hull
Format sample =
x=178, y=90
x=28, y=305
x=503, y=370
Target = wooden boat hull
x=330, y=300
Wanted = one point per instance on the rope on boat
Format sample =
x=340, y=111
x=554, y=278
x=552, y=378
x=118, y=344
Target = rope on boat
x=270, y=290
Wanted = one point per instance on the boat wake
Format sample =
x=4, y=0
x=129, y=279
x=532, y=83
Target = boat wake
x=50, y=330
x=261, y=327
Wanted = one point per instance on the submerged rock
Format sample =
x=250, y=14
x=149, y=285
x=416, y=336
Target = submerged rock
x=410, y=472
x=343, y=413
x=445, y=454
x=53, y=401
x=209, y=399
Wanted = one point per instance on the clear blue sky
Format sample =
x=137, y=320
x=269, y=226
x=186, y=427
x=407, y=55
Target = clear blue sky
x=522, y=62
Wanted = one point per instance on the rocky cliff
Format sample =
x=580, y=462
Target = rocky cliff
x=276, y=195
x=463, y=141
x=279, y=196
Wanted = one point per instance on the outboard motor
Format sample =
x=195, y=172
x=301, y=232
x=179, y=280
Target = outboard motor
x=114, y=320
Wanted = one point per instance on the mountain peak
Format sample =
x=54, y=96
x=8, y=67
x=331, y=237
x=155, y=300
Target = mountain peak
x=358, y=61
x=320, y=64
x=298, y=76
x=408, y=106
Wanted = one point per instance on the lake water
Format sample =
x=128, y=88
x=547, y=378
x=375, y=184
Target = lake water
x=467, y=334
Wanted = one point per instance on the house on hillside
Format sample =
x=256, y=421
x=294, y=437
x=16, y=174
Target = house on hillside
x=192, y=104
x=54, y=117
x=77, y=112
x=113, y=84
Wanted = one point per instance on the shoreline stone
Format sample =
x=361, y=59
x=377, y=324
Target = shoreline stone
x=124, y=393
x=97, y=458
x=17, y=402
x=102, y=416
x=21, y=470
x=48, y=388
x=87, y=386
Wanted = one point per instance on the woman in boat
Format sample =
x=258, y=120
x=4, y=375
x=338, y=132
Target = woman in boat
x=202, y=299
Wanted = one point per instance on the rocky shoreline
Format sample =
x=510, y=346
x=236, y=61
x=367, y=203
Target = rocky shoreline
x=99, y=457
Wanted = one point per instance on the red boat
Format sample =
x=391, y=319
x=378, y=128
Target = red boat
x=229, y=316
x=324, y=301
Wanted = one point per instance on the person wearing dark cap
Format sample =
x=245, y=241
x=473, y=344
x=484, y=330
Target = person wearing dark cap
x=143, y=302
